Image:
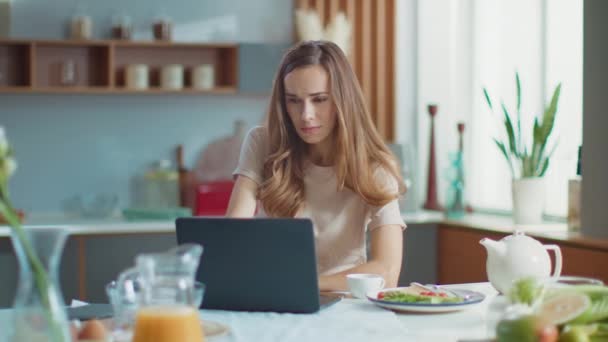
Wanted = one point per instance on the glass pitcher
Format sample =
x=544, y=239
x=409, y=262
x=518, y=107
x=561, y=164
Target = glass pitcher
x=161, y=285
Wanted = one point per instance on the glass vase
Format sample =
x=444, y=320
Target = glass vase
x=39, y=312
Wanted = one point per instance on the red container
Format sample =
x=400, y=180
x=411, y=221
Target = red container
x=212, y=198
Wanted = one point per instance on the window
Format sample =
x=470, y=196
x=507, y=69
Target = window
x=482, y=43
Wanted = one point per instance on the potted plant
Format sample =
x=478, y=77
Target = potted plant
x=528, y=159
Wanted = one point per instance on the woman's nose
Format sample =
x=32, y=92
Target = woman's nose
x=308, y=112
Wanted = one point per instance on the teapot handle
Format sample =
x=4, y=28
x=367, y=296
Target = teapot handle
x=557, y=271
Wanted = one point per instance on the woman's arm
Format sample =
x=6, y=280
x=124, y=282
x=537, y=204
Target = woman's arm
x=243, y=198
x=386, y=249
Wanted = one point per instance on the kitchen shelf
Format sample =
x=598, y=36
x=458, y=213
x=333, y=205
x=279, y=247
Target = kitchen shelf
x=98, y=66
x=15, y=65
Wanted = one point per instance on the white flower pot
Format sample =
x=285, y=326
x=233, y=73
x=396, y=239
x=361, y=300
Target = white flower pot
x=528, y=200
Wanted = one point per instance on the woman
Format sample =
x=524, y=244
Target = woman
x=319, y=156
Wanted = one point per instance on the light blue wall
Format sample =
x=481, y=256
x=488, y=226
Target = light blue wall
x=88, y=144
x=68, y=145
x=247, y=20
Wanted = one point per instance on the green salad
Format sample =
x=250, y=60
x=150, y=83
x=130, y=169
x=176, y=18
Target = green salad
x=423, y=298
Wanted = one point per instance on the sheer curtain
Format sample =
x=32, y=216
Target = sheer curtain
x=542, y=40
x=477, y=43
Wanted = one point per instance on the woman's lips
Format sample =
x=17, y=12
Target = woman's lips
x=310, y=130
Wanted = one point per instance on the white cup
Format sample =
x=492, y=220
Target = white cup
x=360, y=284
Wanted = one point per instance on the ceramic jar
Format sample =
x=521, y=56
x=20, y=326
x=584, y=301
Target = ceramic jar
x=136, y=76
x=203, y=77
x=172, y=77
x=81, y=27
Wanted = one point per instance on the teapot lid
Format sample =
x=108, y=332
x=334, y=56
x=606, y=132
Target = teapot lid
x=520, y=237
x=518, y=233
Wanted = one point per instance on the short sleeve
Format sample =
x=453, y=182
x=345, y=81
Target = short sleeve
x=390, y=213
x=253, y=154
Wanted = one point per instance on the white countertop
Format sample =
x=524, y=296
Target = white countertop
x=118, y=225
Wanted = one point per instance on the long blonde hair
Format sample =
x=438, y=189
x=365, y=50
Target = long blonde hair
x=359, y=149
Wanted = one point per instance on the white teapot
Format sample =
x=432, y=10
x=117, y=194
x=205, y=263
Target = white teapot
x=517, y=256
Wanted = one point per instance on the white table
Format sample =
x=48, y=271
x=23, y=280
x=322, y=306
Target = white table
x=350, y=320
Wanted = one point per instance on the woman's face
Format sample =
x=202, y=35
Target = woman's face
x=309, y=103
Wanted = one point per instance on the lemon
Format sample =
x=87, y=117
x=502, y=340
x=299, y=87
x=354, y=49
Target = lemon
x=564, y=307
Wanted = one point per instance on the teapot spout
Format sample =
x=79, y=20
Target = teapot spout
x=494, y=248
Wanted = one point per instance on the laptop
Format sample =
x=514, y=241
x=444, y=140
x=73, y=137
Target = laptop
x=256, y=264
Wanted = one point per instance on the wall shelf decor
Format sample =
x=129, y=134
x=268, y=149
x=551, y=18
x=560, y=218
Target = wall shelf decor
x=99, y=66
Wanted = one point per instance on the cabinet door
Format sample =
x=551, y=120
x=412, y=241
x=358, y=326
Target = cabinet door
x=584, y=262
x=461, y=259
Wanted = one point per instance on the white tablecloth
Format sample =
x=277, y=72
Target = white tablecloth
x=348, y=320
x=360, y=320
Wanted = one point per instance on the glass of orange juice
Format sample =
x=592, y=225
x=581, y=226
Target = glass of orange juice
x=168, y=324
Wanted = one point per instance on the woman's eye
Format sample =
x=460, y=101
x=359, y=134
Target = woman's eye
x=320, y=99
x=292, y=100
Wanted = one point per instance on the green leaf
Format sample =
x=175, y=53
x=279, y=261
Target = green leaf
x=549, y=115
x=518, y=85
x=542, y=131
x=525, y=167
x=503, y=149
x=510, y=132
x=545, y=164
x=536, y=132
x=537, y=145
x=485, y=93
x=544, y=167
x=519, y=137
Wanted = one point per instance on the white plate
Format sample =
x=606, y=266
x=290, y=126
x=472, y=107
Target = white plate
x=211, y=329
x=214, y=329
x=472, y=298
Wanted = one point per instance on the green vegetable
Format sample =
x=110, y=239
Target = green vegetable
x=582, y=333
x=596, y=312
x=526, y=291
x=397, y=296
